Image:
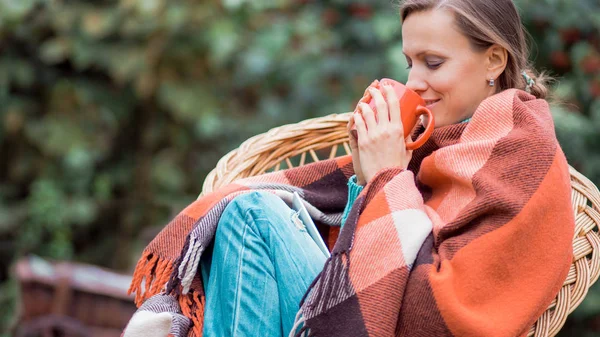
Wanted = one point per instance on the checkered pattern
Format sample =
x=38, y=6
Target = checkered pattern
x=474, y=239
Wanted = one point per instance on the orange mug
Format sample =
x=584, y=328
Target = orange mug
x=412, y=106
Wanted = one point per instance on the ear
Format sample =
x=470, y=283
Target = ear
x=496, y=59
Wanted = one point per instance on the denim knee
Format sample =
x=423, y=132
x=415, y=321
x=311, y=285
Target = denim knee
x=265, y=202
x=252, y=206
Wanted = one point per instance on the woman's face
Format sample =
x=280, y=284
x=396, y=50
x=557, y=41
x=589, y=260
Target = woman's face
x=445, y=70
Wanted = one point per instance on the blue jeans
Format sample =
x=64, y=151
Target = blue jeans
x=262, y=263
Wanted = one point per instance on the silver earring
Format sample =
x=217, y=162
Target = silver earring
x=492, y=82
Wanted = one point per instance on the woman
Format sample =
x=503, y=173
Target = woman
x=470, y=235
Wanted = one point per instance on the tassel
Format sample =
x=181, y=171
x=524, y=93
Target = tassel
x=144, y=273
x=192, y=306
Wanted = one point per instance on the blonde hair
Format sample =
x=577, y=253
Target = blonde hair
x=489, y=22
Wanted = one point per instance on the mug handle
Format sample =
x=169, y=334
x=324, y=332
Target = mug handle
x=421, y=110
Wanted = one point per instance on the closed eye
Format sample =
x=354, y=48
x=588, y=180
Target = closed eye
x=434, y=66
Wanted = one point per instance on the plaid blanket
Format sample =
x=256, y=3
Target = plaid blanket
x=474, y=239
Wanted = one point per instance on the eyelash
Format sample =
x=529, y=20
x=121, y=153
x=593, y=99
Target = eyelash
x=430, y=66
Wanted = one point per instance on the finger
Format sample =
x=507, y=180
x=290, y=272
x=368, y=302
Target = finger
x=350, y=122
x=381, y=105
x=393, y=104
x=361, y=128
x=408, y=140
x=367, y=95
x=352, y=134
x=368, y=116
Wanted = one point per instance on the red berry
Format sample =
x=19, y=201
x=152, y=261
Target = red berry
x=591, y=64
x=331, y=17
x=361, y=11
x=595, y=42
x=595, y=88
x=560, y=59
x=570, y=35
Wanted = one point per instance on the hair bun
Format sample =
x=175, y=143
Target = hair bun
x=537, y=85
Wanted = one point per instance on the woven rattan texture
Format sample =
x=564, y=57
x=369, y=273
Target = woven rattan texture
x=326, y=137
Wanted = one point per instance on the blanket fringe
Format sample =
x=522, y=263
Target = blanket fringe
x=153, y=273
x=192, y=306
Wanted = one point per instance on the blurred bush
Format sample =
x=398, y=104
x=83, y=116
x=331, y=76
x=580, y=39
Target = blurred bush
x=113, y=111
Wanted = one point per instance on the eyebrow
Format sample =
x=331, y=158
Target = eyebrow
x=422, y=52
x=419, y=54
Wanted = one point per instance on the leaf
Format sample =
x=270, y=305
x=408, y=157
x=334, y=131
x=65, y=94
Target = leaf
x=580, y=51
x=82, y=211
x=572, y=130
x=55, y=136
x=223, y=40
x=179, y=101
x=125, y=63
x=150, y=8
x=166, y=173
x=232, y=5
x=16, y=10
x=55, y=50
x=275, y=39
x=99, y=23
x=386, y=26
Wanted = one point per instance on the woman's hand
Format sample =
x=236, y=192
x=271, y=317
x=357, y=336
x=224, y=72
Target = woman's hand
x=360, y=178
x=381, y=143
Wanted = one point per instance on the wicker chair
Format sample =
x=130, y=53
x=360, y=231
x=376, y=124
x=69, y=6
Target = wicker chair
x=326, y=137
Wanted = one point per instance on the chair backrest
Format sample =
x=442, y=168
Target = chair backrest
x=326, y=137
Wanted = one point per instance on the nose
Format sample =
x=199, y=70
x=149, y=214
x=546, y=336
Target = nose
x=416, y=82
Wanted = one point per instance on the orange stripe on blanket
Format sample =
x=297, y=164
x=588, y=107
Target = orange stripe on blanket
x=334, y=233
x=378, y=207
x=500, y=283
x=435, y=178
x=343, y=160
x=270, y=178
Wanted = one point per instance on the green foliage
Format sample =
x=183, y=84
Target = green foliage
x=113, y=111
x=567, y=43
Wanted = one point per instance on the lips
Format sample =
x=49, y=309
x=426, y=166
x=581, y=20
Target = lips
x=430, y=102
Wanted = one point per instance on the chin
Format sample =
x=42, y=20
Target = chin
x=438, y=122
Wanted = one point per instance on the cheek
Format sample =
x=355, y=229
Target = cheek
x=448, y=84
x=456, y=86
x=451, y=80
